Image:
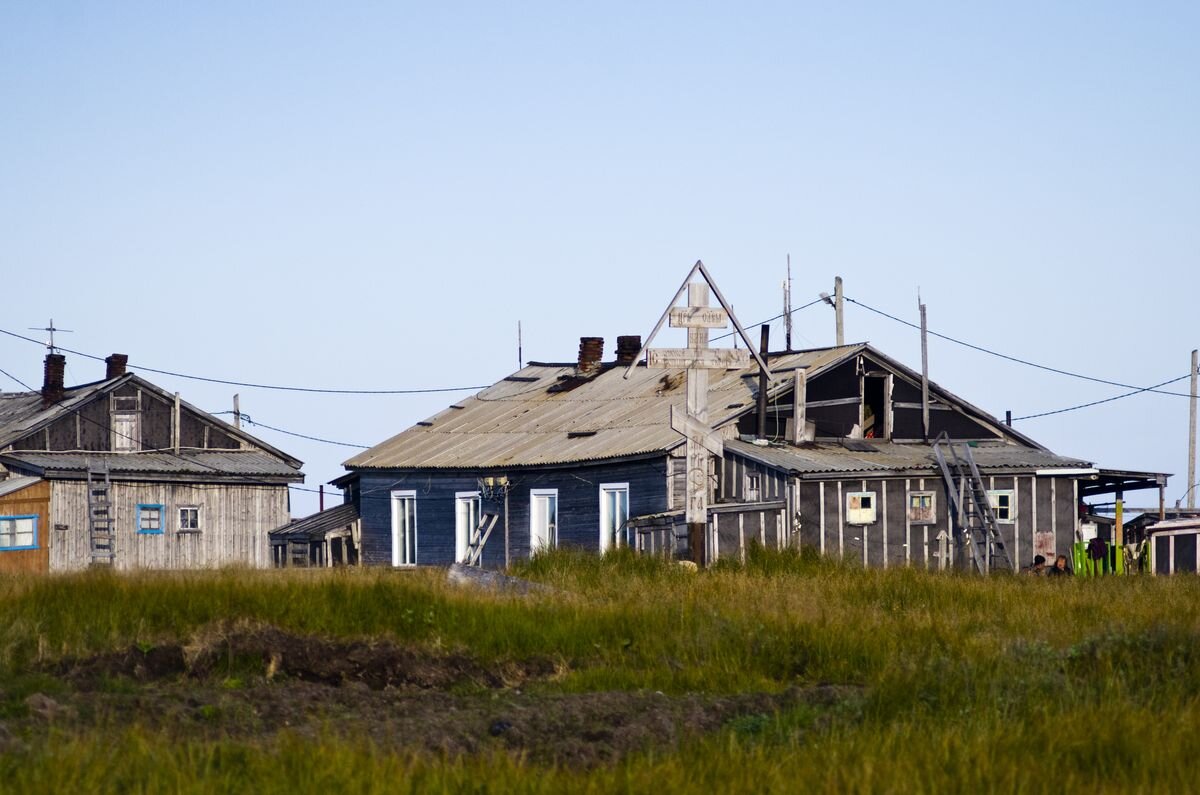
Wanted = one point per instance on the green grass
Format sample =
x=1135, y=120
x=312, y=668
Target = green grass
x=967, y=683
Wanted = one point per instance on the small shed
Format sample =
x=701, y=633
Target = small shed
x=328, y=538
x=1175, y=546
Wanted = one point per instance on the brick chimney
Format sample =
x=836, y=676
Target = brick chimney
x=115, y=365
x=627, y=349
x=53, y=389
x=591, y=349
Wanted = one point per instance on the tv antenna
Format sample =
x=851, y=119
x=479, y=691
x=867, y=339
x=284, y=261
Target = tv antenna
x=51, y=328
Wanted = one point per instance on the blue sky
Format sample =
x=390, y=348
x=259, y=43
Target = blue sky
x=372, y=195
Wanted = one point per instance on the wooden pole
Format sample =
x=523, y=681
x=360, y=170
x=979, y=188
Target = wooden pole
x=1119, y=519
x=763, y=383
x=237, y=413
x=175, y=425
x=506, y=553
x=520, y=352
x=1191, y=496
x=838, y=309
x=799, y=406
x=787, y=306
x=924, y=373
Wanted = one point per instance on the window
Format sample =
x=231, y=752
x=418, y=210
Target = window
x=753, y=487
x=404, y=528
x=466, y=519
x=543, y=519
x=126, y=424
x=922, y=507
x=149, y=519
x=614, y=513
x=18, y=532
x=189, y=519
x=1004, y=505
x=860, y=507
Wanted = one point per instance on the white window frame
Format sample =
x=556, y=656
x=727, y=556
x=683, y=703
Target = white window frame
x=752, y=489
x=400, y=556
x=933, y=507
x=179, y=517
x=463, y=530
x=855, y=516
x=611, y=540
x=553, y=540
x=993, y=494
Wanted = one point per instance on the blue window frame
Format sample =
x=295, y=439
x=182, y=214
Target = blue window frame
x=18, y=532
x=149, y=519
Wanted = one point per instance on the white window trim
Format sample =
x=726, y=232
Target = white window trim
x=553, y=542
x=396, y=551
x=462, y=535
x=874, y=507
x=1012, y=505
x=179, y=528
x=606, y=487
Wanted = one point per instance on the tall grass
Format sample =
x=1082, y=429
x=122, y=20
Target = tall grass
x=1002, y=683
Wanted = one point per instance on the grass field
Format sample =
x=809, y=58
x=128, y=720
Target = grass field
x=628, y=674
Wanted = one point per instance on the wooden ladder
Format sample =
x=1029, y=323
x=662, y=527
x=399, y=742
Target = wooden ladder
x=100, y=515
x=479, y=537
x=972, y=508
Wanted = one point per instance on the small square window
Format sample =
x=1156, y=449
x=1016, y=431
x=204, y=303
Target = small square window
x=189, y=519
x=1004, y=505
x=18, y=532
x=922, y=507
x=150, y=519
x=860, y=507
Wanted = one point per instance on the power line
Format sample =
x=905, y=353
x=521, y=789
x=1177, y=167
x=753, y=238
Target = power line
x=250, y=385
x=246, y=418
x=1105, y=400
x=1026, y=362
x=18, y=380
x=768, y=320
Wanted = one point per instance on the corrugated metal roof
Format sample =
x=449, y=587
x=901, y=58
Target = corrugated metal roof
x=521, y=423
x=823, y=457
x=21, y=412
x=203, y=464
x=16, y=484
x=317, y=525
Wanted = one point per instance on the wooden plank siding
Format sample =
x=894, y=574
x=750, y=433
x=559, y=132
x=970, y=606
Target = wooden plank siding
x=578, y=506
x=1044, y=505
x=234, y=521
x=33, y=500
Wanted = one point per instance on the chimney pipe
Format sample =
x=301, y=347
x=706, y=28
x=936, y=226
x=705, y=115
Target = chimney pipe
x=115, y=365
x=763, y=346
x=53, y=389
x=591, y=349
x=627, y=348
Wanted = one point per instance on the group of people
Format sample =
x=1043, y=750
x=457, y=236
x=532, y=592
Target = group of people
x=1059, y=569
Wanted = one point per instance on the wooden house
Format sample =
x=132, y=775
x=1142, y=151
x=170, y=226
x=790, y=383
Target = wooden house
x=121, y=472
x=838, y=460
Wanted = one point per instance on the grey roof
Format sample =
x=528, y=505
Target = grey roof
x=23, y=412
x=196, y=464
x=315, y=527
x=832, y=457
x=521, y=422
x=16, y=484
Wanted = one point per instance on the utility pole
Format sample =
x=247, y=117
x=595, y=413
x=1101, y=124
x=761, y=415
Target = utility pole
x=924, y=370
x=1192, y=436
x=237, y=413
x=838, y=309
x=520, y=353
x=787, y=306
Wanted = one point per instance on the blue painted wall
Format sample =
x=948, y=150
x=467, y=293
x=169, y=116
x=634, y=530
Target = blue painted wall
x=578, y=506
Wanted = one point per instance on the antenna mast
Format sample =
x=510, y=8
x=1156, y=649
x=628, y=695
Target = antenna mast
x=50, y=328
x=787, y=306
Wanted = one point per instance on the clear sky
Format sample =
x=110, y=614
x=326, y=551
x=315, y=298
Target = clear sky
x=371, y=196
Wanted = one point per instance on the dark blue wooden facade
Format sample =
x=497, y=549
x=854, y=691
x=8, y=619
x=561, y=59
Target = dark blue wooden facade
x=578, y=488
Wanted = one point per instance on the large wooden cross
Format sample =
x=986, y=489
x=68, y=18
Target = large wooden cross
x=696, y=360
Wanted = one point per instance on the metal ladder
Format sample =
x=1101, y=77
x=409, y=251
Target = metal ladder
x=100, y=518
x=972, y=508
x=478, y=538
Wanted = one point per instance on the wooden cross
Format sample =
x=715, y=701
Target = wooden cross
x=696, y=360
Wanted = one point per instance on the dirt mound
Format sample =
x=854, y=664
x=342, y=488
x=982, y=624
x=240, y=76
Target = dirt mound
x=272, y=652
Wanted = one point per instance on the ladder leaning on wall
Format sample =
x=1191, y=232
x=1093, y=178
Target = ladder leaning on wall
x=972, y=508
x=100, y=518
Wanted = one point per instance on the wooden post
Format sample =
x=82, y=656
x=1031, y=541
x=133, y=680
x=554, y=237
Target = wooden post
x=1119, y=521
x=838, y=308
x=237, y=413
x=925, y=374
x=799, y=406
x=787, y=306
x=175, y=426
x=1191, y=495
x=506, y=552
x=763, y=383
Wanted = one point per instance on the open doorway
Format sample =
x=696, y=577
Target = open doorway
x=877, y=406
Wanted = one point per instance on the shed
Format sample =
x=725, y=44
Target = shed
x=1175, y=546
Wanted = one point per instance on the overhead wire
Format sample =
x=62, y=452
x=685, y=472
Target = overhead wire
x=768, y=320
x=246, y=418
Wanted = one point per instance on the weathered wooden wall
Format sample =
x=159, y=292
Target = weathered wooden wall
x=1046, y=520
x=235, y=520
x=33, y=500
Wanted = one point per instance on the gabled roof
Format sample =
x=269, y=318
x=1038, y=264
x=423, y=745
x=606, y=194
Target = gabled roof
x=543, y=414
x=23, y=414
